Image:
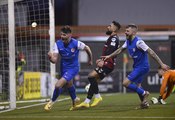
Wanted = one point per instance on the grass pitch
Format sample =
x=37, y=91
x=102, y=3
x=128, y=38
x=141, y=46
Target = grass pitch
x=113, y=107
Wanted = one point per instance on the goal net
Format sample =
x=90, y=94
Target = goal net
x=32, y=42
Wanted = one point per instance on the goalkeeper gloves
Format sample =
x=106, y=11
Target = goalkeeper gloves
x=161, y=101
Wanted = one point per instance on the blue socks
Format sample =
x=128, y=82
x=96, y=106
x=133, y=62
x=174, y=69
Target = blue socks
x=56, y=93
x=72, y=92
x=134, y=87
x=140, y=96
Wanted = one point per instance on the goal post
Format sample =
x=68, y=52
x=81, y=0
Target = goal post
x=27, y=33
x=11, y=39
x=52, y=40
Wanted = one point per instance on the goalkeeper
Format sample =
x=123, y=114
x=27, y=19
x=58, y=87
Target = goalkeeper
x=168, y=82
x=20, y=61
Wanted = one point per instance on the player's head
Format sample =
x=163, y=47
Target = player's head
x=131, y=31
x=65, y=33
x=160, y=71
x=113, y=27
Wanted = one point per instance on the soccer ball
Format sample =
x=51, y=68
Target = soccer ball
x=34, y=24
x=154, y=100
x=87, y=87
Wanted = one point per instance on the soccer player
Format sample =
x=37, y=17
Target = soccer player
x=138, y=50
x=68, y=49
x=20, y=62
x=103, y=67
x=168, y=82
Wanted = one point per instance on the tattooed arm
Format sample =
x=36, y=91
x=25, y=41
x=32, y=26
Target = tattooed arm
x=157, y=59
x=114, y=54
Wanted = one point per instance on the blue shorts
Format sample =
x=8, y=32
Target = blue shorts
x=137, y=74
x=70, y=73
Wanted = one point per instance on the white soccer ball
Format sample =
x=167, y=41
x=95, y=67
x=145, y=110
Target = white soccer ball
x=87, y=87
x=34, y=24
x=154, y=100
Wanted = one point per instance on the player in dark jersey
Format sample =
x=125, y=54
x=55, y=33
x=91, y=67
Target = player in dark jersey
x=103, y=67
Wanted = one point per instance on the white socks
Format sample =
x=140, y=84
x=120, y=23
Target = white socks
x=88, y=100
x=97, y=95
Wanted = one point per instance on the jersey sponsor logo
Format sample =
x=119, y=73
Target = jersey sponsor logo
x=72, y=50
x=113, y=43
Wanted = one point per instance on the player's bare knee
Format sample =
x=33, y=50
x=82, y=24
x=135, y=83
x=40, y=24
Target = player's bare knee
x=69, y=84
x=126, y=83
x=57, y=86
x=60, y=83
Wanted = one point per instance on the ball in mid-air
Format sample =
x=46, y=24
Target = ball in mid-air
x=34, y=24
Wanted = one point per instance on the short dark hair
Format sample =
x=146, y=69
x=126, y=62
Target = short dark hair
x=132, y=26
x=66, y=29
x=117, y=24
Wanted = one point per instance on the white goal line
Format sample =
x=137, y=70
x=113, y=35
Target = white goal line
x=59, y=100
x=89, y=117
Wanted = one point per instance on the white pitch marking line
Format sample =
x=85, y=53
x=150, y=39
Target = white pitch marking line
x=59, y=100
x=89, y=117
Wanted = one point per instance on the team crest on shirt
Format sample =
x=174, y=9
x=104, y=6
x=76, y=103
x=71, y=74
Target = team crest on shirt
x=133, y=49
x=73, y=50
x=113, y=39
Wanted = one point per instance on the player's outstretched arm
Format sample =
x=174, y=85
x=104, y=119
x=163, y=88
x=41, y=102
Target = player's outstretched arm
x=52, y=57
x=157, y=59
x=89, y=52
x=114, y=54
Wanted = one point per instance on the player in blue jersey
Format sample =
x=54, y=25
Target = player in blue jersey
x=138, y=50
x=68, y=49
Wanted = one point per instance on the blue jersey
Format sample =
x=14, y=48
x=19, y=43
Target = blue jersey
x=69, y=53
x=139, y=56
